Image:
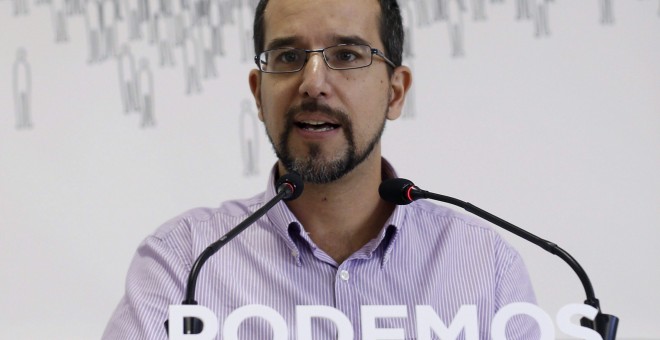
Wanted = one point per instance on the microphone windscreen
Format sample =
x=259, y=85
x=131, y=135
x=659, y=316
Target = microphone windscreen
x=294, y=181
x=395, y=190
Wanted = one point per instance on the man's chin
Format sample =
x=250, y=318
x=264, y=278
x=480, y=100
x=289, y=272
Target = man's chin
x=313, y=170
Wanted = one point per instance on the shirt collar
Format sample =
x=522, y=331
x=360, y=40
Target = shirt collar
x=286, y=223
x=281, y=218
x=389, y=234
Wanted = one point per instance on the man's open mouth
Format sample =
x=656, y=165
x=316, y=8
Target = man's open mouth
x=319, y=126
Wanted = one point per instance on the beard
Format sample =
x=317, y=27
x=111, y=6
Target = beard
x=313, y=167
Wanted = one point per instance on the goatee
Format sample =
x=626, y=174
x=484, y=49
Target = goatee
x=313, y=168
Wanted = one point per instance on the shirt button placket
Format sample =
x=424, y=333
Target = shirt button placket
x=344, y=275
x=345, y=293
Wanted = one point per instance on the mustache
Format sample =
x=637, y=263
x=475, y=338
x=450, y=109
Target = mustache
x=314, y=106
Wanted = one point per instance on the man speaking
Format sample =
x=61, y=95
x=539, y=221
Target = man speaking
x=328, y=77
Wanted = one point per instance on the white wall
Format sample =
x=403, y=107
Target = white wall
x=559, y=134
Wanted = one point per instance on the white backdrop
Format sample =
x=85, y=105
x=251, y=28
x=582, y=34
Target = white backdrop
x=546, y=115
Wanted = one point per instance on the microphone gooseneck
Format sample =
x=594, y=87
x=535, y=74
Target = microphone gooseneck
x=401, y=191
x=289, y=187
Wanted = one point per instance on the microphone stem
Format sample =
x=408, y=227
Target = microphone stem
x=547, y=245
x=215, y=246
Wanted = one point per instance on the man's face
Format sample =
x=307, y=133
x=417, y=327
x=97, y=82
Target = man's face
x=323, y=122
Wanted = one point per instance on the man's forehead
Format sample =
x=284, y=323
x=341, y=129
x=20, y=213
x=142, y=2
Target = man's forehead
x=298, y=41
x=339, y=21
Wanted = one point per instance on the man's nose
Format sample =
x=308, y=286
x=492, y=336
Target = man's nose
x=314, y=77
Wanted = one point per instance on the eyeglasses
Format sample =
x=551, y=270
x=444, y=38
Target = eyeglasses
x=339, y=57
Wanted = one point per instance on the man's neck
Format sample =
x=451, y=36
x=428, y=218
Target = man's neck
x=342, y=216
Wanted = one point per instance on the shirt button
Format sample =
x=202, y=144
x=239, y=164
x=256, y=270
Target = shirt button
x=344, y=275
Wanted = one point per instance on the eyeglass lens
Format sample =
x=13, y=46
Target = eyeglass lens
x=339, y=57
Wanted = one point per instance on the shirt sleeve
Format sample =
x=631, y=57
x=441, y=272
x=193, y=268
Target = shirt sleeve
x=154, y=281
x=514, y=285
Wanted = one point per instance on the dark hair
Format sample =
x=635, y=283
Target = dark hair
x=391, y=29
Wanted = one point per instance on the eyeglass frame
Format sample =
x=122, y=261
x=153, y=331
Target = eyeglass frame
x=374, y=51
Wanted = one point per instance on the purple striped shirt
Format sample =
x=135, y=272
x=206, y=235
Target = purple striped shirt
x=425, y=255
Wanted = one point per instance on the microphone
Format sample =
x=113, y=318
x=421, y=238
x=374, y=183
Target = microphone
x=289, y=187
x=292, y=186
x=401, y=191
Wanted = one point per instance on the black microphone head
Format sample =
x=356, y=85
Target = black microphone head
x=397, y=191
x=292, y=183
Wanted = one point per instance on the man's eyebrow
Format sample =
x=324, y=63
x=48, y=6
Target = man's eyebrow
x=282, y=42
x=294, y=40
x=350, y=39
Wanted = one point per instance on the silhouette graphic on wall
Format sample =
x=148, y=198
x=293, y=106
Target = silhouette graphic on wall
x=205, y=38
x=135, y=16
x=153, y=9
x=523, y=10
x=58, y=18
x=146, y=94
x=180, y=18
x=191, y=63
x=479, y=10
x=75, y=7
x=439, y=10
x=196, y=12
x=540, y=14
x=245, y=18
x=197, y=28
x=249, y=136
x=117, y=9
x=22, y=81
x=101, y=22
x=606, y=12
x=164, y=24
x=408, y=18
x=21, y=7
x=93, y=18
x=128, y=84
x=421, y=9
x=215, y=23
x=455, y=10
x=449, y=11
x=535, y=11
x=109, y=27
x=227, y=9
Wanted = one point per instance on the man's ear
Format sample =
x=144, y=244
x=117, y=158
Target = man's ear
x=400, y=83
x=254, y=79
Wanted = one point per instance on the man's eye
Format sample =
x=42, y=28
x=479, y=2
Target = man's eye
x=287, y=57
x=346, y=56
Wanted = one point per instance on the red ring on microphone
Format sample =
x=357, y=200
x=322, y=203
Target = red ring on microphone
x=409, y=193
x=291, y=187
